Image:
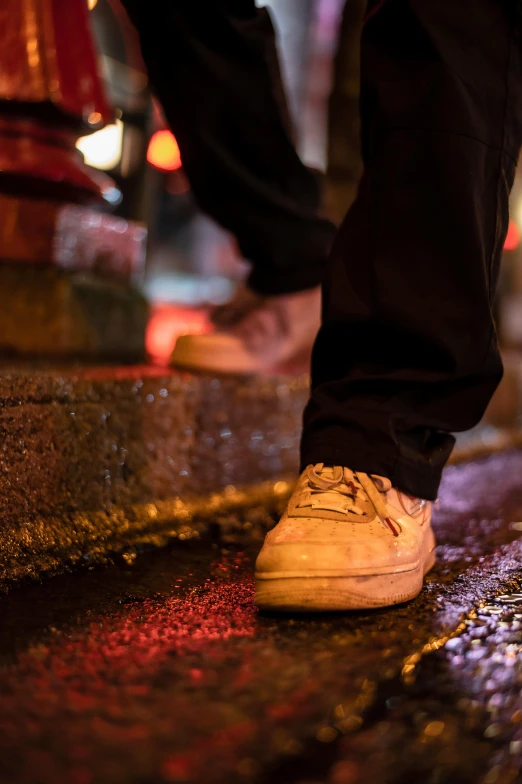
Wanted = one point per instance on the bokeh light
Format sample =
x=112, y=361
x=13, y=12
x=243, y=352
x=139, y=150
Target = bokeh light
x=163, y=152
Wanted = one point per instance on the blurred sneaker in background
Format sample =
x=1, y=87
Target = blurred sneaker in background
x=253, y=333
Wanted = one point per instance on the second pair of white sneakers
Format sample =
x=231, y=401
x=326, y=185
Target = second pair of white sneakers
x=346, y=541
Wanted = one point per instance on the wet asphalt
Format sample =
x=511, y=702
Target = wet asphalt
x=158, y=668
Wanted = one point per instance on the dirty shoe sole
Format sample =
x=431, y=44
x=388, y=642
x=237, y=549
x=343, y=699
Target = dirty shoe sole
x=214, y=353
x=354, y=592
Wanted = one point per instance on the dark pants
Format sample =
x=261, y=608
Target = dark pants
x=213, y=65
x=408, y=352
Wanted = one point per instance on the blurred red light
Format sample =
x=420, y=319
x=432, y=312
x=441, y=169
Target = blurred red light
x=512, y=237
x=167, y=323
x=163, y=152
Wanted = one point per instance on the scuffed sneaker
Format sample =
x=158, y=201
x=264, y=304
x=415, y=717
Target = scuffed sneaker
x=347, y=541
x=254, y=334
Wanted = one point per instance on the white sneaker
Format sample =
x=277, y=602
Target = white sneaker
x=254, y=334
x=347, y=541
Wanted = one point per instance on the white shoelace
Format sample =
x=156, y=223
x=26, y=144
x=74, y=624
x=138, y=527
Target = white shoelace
x=337, y=489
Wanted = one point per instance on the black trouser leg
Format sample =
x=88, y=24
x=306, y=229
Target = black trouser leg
x=408, y=351
x=215, y=70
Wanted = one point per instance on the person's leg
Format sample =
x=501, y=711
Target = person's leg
x=215, y=69
x=407, y=352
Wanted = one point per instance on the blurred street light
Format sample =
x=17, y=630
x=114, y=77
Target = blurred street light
x=103, y=148
x=163, y=152
x=513, y=236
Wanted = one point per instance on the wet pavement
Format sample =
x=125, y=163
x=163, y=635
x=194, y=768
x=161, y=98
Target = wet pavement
x=159, y=669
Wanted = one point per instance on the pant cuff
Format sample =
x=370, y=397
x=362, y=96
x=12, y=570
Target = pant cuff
x=421, y=481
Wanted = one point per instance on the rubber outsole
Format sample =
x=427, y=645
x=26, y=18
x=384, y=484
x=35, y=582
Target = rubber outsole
x=193, y=353
x=315, y=594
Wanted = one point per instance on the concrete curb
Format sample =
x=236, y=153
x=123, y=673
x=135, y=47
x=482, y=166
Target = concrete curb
x=95, y=461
